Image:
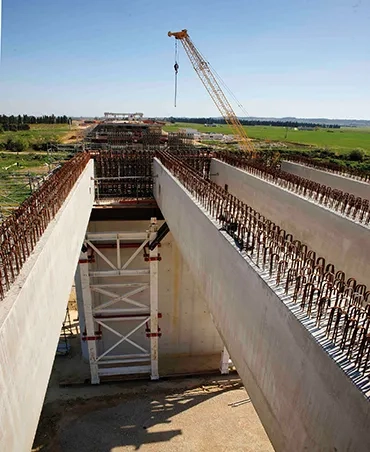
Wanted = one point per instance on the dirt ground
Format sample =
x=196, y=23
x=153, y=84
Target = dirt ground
x=192, y=415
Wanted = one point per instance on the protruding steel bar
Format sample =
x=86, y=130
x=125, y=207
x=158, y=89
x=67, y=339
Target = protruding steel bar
x=340, y=306
x=20, y=232
x=346, y=204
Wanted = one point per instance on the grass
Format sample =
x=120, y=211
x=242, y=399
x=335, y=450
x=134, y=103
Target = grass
x=341, y=140
x=11, y=161
x=39, y=133
x=17, y=168
x=14, y=168
x=15, y=173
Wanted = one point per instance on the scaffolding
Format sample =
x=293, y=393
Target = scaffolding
x=105, y=310
x=120, y=296
x=118, y=136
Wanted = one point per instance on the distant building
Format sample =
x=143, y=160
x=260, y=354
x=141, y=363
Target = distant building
x=212, y=136
x=189, y=133
x=306, y=128
x=228, y=138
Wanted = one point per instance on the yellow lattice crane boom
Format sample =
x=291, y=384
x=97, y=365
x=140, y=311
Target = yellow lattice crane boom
x=211, y=84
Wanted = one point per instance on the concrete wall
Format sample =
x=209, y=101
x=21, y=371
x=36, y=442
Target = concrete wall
x=186, y=326
x=303, y=398
x=346, y=184
x=31, y=317
x=340, y=241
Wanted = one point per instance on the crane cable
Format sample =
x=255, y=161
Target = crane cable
x=232, y=95
x=223, y=83
x=218, y=77
x=176, y=67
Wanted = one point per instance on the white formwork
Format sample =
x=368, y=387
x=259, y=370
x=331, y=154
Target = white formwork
x=225, y=362
x=115, y=309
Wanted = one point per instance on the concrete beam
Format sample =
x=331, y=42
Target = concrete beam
x=31, y=316
x=340, y=241
x=303, y=398
x=346, y=184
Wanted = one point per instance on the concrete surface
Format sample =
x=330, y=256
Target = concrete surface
x=189, y=415
x=346, y=184
x=31, y=316
x=340, y=241
x=302, y=396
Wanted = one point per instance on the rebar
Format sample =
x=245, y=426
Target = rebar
x=352, y=207
x=339, y=306
x=330, y=167
x=123, y=174
x=118, y=136
x=20, y=232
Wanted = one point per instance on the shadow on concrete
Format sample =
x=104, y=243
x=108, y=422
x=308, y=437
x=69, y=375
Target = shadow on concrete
x=115, y=421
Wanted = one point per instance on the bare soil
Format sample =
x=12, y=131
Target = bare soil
x=180, y=414
x=193, y=414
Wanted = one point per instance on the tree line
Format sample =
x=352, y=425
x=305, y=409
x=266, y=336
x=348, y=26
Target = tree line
x=254, y=122
x=22, y=122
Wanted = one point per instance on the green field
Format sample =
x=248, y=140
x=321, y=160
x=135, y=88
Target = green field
x=340, y=140
x=11, y=161
x=39, y=133
x=16, y=172
x=17, y=169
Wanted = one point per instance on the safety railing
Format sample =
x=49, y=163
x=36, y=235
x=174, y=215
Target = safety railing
x=340, y=306
x=20, y=232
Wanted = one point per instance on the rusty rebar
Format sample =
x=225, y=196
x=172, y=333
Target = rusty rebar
x=123, y=174
x=330, y=167
x=346, y=204
x=20, y=232
x=338, y=305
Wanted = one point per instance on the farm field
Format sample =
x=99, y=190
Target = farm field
x=18, y=172
x=41, y=133
x=341, y=140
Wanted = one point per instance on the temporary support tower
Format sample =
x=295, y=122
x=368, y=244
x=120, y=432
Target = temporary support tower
x=117, y=308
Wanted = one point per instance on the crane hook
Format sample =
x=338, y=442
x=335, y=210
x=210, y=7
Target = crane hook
x=176, y=67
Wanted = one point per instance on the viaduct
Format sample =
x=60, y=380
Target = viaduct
x=182, y=258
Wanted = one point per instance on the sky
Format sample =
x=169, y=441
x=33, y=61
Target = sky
x=302, y=58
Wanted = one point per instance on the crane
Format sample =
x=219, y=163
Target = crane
x=209, y=80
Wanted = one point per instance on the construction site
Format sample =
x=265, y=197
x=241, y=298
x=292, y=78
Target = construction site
x=186, y=298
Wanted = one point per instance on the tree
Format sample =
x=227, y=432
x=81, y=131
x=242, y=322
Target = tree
x=17, y=144
x=356, y=155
